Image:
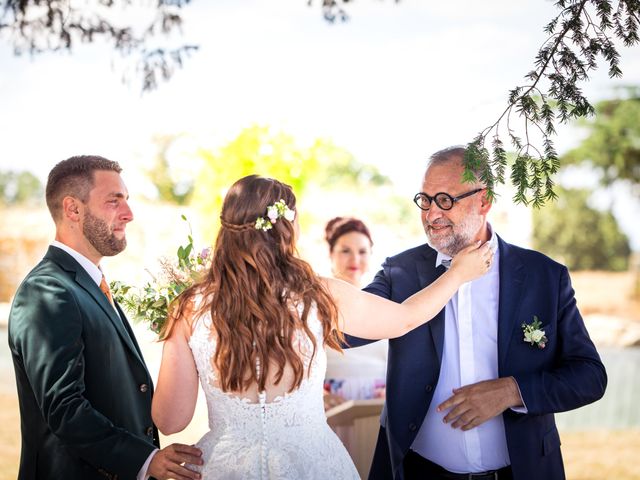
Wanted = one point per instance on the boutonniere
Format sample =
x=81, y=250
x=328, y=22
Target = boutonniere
x=533, y=334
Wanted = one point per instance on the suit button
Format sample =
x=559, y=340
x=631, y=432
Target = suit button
x=144, y=387
x=428, y=388
x=149, y=432
x=412, y=427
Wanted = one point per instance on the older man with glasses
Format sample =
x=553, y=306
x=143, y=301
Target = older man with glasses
x=471, y=394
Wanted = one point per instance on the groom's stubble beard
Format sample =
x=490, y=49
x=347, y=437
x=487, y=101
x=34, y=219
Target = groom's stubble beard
x=98, y=233
x=461, y=234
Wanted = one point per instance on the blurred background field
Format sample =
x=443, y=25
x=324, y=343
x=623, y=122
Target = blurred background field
x=346, y=113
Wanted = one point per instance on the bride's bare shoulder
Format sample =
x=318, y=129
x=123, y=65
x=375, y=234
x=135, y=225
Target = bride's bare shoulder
x=337, y=287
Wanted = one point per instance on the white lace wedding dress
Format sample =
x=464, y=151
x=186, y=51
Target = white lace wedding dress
x=272, y=434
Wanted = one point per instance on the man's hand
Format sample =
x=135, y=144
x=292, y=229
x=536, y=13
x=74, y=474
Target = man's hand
x=168, y=462
x=474, y=404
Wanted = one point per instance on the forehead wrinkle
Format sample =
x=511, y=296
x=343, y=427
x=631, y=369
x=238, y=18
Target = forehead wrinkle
x=444, y=180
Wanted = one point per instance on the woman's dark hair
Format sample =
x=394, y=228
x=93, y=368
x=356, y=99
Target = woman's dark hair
x=339, y=226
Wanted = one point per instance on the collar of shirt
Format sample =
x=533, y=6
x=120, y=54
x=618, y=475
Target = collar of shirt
x=444, y=259
x=94, y=271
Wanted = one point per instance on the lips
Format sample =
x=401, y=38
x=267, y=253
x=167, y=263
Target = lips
x=438, y=228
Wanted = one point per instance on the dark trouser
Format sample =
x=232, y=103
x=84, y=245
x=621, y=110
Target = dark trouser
x=417, y=467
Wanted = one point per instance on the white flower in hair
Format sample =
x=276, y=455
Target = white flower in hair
x=289, y=214
x=262, y=224
x=274, y=212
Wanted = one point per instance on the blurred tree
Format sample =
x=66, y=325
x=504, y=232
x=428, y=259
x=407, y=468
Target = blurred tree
x=172, y=187
x=582, y=33
x=276, y=154
x=578, y=235
x=342, y=170
x=612, y=145
x=254, y=150
x=19, y=188
x=37, y=26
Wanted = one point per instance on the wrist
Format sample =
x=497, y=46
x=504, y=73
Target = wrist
x=455, y=274
x=514, y=393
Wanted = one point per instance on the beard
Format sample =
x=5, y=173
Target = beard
x=99, y=234
x=460, y=236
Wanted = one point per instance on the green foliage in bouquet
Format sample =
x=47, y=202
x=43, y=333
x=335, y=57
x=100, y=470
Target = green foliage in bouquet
x=150, y=304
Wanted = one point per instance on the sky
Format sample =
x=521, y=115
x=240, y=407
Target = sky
x=392, y=85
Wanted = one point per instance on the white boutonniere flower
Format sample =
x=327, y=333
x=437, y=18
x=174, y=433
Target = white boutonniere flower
x=533, y=334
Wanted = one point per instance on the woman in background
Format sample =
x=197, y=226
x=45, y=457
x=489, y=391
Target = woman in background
x=357, y=373
x=349, y=248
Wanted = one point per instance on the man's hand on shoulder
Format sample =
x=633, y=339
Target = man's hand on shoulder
x=169, y=462
x=474, y=404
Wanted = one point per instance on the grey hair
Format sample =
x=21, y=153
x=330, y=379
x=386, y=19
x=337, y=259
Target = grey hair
x=451, y=154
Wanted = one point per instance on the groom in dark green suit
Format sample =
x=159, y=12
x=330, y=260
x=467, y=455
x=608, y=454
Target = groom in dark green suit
x=84, y=389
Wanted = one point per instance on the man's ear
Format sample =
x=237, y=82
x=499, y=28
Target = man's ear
x=485, y=202
x=71, y=208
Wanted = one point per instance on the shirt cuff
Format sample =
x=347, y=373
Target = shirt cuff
x=523, y=408
x=142, y=474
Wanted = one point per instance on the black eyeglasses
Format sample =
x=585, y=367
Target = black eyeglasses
x=443, y=200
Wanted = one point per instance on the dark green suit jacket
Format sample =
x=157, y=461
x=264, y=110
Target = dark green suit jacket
x=84, y=390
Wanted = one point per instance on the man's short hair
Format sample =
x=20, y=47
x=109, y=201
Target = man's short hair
x=74, y=177
x=455, y=153
x=447, y=154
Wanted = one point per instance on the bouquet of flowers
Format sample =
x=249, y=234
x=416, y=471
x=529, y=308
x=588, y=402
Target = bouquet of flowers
x=150, y=304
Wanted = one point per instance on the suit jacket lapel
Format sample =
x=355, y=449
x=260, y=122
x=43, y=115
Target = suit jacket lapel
x=132, y=337
x=427, y=274
x=83, y=279
x=512, y=286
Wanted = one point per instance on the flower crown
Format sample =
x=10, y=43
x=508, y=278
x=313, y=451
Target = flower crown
x=274, y=212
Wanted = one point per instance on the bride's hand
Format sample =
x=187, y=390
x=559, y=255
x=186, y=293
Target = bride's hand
x=472, y=262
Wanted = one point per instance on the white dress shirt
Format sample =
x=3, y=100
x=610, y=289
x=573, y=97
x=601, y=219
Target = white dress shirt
x=96, y=275
x=470, y=355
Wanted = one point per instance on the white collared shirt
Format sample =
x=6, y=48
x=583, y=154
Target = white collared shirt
x=469, y=355
x=91, y=268
x=96, y=275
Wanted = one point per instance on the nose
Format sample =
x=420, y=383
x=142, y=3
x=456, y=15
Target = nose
x=433, y=213
x=126, y=215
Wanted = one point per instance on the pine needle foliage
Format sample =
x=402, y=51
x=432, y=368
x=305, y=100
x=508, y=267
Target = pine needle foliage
x=582, y=34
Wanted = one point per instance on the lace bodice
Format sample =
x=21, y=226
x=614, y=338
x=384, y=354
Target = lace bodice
x=271, y=434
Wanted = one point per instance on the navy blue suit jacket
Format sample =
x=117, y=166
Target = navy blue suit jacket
x=567, y=374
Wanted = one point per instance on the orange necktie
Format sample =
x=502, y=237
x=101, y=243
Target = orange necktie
x=105, y=289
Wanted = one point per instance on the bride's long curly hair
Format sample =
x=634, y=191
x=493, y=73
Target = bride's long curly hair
x=254, y=288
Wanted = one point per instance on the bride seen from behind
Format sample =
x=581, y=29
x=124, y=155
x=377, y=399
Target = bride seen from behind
x=254, y=333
